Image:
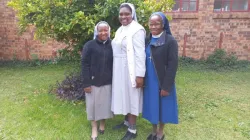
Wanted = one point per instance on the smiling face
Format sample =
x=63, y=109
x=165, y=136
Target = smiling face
x=155, y=25
x=103, y=32
x=125, y=16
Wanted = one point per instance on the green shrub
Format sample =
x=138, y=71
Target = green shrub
x=220, y=59
x=187, y=61
x=73, y=21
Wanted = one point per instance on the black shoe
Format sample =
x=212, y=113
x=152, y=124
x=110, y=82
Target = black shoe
x=129, y=136
x=119, y=126
x=151, y=137
x=101, y=131
x=162, y=138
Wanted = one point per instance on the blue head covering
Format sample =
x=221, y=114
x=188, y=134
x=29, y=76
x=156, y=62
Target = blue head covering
x=165, y=22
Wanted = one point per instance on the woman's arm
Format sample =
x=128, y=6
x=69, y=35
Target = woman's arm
x=171, y=66
x=139, y=51
x=86, y=63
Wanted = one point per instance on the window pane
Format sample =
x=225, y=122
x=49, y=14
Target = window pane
x=185, y=6
x=176, y=7
x=192, y=6
x=225, y=6
x=240, y=5
x=217, y=5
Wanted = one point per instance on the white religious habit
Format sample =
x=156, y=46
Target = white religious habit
x=128, y=63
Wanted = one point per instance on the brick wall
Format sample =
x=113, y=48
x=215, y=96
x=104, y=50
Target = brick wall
x=205, y=31
x=21, y=47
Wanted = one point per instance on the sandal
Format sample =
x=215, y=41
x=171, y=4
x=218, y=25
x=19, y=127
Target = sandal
x=101, y=131
x=162, y=138
x=151, y=137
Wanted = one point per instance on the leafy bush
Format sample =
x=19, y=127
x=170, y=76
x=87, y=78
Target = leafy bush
x=187, y=61
x=71, y=87
x=220, y=59
x=68, y=54
x=72, y=21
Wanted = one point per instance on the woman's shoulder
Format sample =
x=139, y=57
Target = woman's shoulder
x=139, y=26
x=138, y=30
x=170, y=39
x=89, y=43
x=119, y=29
x=171, y=42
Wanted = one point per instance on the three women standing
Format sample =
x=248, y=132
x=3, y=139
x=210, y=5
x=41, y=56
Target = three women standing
x=97, y=64
x=159, y=98
x=128, y=68
x=127, y=59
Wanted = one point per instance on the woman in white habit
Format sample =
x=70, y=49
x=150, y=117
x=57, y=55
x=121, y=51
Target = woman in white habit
x=128, y=68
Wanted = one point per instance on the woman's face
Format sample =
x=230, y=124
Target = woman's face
x=155, y=25
x=125, y=16
x=103, y=32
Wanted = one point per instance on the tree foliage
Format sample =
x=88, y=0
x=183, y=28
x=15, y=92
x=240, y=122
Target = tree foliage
x=64, y=20
x=72, y=21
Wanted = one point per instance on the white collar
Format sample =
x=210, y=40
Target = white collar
x=157, y=36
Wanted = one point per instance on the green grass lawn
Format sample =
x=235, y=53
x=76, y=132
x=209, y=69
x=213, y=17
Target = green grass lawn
x=212, y=106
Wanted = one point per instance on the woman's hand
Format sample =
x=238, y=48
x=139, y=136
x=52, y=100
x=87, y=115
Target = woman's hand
x=164, y=93
x=139, y=82
x=87, y=90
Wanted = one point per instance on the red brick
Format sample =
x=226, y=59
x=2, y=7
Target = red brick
x=203, y=29
x=205, y=35
x=11, y=44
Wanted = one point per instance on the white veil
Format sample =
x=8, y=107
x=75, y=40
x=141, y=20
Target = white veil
x=96, y=31
x=134, y=17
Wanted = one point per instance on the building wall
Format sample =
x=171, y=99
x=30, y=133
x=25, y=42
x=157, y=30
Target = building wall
x=205, y=31
x=13, y=46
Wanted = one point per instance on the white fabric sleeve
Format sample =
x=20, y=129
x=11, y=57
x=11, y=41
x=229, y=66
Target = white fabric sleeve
x=139, y=53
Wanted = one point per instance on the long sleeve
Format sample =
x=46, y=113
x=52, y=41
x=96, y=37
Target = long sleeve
x=171, y=66
x=86, y=62
x=139, y=51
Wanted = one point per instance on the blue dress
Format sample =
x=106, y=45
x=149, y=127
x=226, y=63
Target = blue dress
x=156, y=108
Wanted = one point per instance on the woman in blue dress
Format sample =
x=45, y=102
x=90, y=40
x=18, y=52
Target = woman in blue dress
x=160, y=101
